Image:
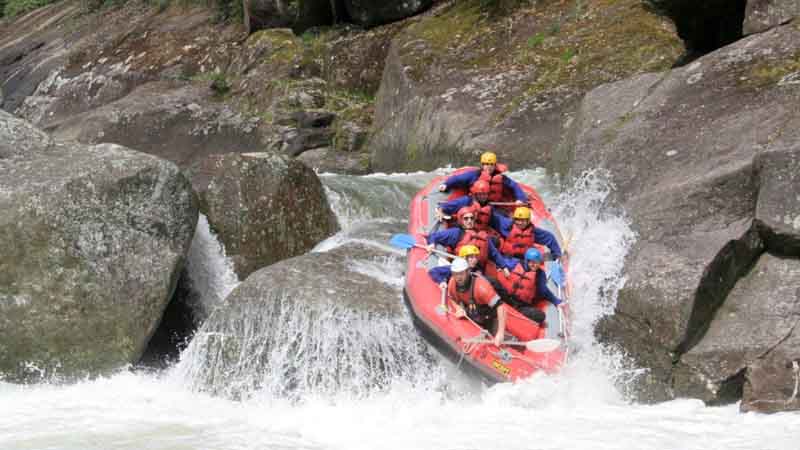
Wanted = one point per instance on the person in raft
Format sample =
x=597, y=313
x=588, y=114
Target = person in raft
x=441, y=274
x=491, y=172
x=519, y=234
x=525, y=281
x=478, y=201
x=474, y=297
x=465, y=234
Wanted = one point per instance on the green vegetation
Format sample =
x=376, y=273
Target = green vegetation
x=535, y=40
x=772, y=72
x=13, y=8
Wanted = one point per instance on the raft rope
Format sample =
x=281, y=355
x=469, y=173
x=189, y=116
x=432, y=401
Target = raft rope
x=796, y=370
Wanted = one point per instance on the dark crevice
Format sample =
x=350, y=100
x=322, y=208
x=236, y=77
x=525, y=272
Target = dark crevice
x=704, y=26
x=732, y=262
x=730, y=390
x=178, y=325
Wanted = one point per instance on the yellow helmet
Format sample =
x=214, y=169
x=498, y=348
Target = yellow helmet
x=522, y=212
x=468, y=250
x=488, y=158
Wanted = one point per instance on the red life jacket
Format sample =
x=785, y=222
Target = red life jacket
x=476, y=299
x=520, y=283
x=495, y=182
x=518, y=241
x=483, y=215
x=478, y=239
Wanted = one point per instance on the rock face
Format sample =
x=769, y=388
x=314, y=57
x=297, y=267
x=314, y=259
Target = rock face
x=456, y=83
x=762, y=15
x=178, y=123
x=370, y=13
x=703, y=158
x=314, y=323
x=92, y=239
x=264, y=207
x=298, y=15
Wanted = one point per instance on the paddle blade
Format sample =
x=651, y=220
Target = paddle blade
x=557, y=274
x=542, y=345
x=404, y=241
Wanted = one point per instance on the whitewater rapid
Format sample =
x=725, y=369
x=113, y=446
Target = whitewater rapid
x=585, y=407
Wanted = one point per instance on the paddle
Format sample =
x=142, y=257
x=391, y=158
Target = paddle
x=543, y=345
x=508, y=204
x=406, y=241
x=557, y=274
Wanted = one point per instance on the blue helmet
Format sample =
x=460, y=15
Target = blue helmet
x=533, y=254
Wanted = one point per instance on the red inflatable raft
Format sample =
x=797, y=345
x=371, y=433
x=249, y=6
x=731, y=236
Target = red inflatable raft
x=463, y=341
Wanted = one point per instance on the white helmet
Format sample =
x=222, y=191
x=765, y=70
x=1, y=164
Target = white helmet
x=459, y=265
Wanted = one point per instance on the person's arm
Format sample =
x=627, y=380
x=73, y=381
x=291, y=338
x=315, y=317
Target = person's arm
x=451, y=207
x=547, y=239
x=462, y=180
x=543, y=291
x=501, y=325
x=519, y=194
x=499, y=260
x=448, y=237
x=502, y=224
x=440, y=274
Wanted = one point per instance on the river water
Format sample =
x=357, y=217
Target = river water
x=585, y=407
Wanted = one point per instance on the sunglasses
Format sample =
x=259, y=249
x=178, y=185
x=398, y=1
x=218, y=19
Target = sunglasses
x=469, y=218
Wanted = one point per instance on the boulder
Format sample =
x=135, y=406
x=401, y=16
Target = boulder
x=762, y=15
x=371, y=13
x=457, y=82
x=264, y=207
x=92, y=239
x=697, y=155
x=299, y=15
x=751, y=334
x=316, y=323
x=180, y=123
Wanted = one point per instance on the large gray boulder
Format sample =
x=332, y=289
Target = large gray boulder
x=455, y=83
x=370, y=13
x=703, y=158
x=264, y=207
x=762, y=15
x=754, y=329
x=92, y=239
x=316, y=323
x=299, y=15
x=178, y=123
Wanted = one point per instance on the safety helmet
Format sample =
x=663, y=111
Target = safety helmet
x=480, y=187
x=488, y=158
x=522, y=212
x=459, y=265
x=533, y=254
x=468, y=250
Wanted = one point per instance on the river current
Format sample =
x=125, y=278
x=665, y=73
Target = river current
x=584, y=407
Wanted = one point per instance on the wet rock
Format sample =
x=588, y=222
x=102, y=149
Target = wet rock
x=693, y=153
x=179, y=123
x=310, y=324
x=92, y=239
x=456, y=83
x=762, y=15
x=329, y=160
x=371, y=13
x=264, y=207
x=751, y=334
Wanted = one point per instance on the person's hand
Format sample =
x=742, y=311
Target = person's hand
x=506, y=272
x=519, y=202
x=443, y=285
x=439, y=214
x=460, y=312
x=442, y=187
x=429, y=248
x=498, y=339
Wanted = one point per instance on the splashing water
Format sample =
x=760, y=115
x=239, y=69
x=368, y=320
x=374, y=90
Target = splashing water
x=419, y=405
x=210, y=272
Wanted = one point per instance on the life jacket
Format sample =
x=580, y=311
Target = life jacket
x=483, y=214
x=520, y=283
x=475, y=299
x=495, y=182
x=478, y=239
x=517, y=241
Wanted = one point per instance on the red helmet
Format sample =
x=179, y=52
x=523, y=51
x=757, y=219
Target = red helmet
x=480, y=187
